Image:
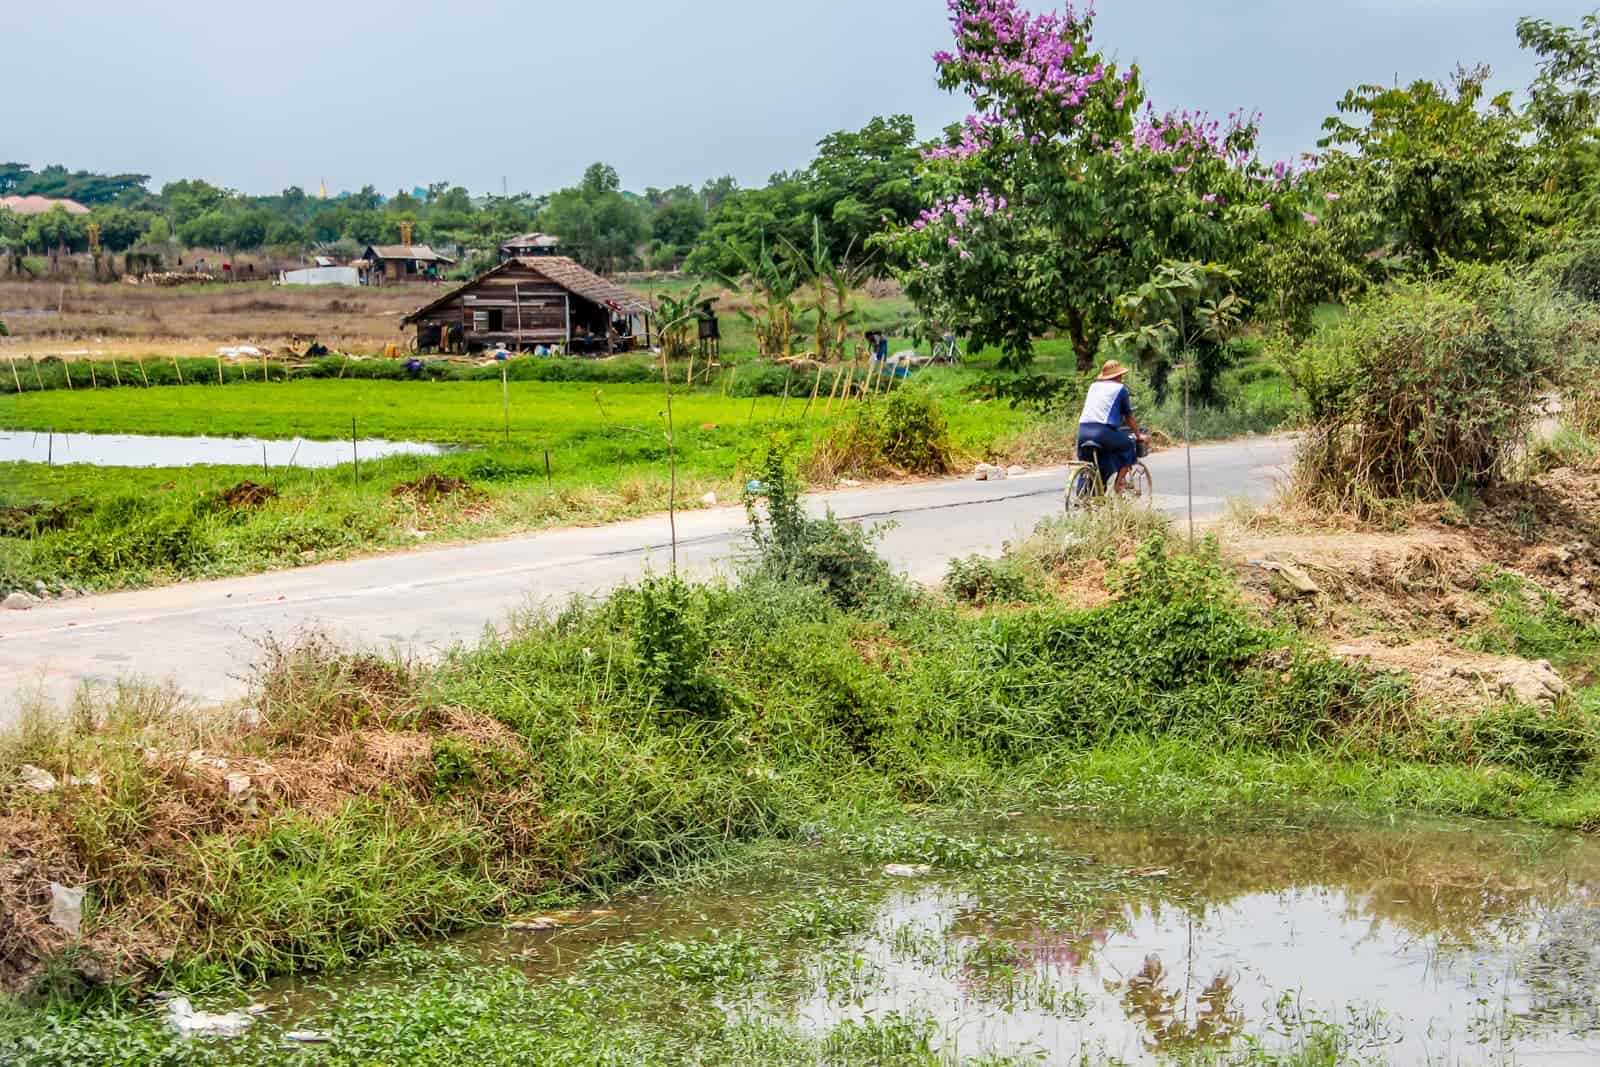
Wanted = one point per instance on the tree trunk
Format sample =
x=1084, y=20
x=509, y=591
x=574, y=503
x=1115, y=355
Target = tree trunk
x=1081, y=343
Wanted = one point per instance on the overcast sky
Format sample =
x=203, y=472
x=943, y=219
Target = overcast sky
x=259, y=96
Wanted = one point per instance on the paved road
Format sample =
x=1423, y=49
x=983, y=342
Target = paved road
x=204, y=636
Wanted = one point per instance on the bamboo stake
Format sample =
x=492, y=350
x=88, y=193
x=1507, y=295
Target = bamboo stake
x=672, y=464
x=219, y=370
x=93, y=382
x=115, y=373
x=263, y=366
x=15, y=377
x=178, y=369
x=140, y=364
x=849, y=383
x=838, y=376
x=37, y=377
x=66, y=365
x=816, y=387
x=505, y=400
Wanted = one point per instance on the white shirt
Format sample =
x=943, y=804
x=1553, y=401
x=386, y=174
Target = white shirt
x=1101, y=404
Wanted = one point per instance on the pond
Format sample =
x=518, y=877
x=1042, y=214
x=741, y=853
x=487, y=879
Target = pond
x=139, y=450
x=1055, y=940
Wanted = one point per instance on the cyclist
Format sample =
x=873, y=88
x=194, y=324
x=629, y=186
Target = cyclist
x=1105, y=410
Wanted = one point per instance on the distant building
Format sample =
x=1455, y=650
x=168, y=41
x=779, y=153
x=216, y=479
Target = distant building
x=40, y=205
x=530, y=244
x=532, y=301
x=392, y=264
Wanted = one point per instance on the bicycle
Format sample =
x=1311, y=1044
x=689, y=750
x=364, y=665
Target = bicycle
x=947, y=351
x=1085, y=487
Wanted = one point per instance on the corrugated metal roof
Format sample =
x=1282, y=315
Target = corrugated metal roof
x=533, y=240
x=419, y=252
x=563, y=272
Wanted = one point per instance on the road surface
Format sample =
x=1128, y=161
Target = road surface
x=204, y=637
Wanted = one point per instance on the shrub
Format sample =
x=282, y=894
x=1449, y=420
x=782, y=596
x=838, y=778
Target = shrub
x=980, y=580
x=672, y=647
x=790, y=546
x=1426, y=391
x=903, y=432
x=760, y=378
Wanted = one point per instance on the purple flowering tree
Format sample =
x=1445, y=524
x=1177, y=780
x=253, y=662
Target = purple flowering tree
x=1064, y=189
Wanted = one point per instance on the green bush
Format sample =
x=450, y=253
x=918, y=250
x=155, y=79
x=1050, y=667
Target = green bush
x=1428, y=390
x=980, y=580
x=790, y=546
x=671, y=643
x=903, y=432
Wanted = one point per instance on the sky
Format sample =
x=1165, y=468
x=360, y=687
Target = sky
x=524, y=94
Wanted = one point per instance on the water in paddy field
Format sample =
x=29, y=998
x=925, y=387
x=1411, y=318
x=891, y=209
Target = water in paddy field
x=1088, y=942
x=137, y=450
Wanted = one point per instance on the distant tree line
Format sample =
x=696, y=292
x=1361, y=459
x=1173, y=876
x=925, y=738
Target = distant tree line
x=859, y=182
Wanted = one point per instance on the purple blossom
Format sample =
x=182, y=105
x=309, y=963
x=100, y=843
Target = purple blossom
x=1310, y=218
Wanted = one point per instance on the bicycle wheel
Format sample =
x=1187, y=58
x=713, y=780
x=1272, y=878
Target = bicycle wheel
x=1140, y=488
x=1083, y=487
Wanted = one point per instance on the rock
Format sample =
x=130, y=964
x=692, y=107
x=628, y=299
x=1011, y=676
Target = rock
x=849, y=483
x=1016, y=471
x=907, y=870
x=69, y=593
x=709, y=500
x=41, y=590
x=182, y=1017
x=88, y=781
x=36, y=778
x=1295, y=581
x=66, y=908
x=1531, y=682
x=19, y=601
x=238, y=784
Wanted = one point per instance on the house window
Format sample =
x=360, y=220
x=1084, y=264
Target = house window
x=411, y=266
x=497, y=320
x=480, y=322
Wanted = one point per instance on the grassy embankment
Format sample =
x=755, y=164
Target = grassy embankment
x=653, y=729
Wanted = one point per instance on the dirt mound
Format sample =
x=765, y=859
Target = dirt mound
x=431, y=487
x=1425, y=577
x=1452, y=679
x=248, y=494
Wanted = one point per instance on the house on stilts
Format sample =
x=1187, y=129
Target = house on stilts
x=527, y=302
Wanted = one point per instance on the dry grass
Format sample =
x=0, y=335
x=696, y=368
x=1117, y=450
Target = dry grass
x=123, y=320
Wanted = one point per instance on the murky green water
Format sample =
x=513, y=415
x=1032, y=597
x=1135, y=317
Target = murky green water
x=1080, y=941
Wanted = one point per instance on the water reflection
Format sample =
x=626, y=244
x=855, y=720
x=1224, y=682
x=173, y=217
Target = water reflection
x=1457, y=943
x=141, y=450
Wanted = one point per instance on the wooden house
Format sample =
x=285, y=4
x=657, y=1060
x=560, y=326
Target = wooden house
x=389, y=264
x=531, y=301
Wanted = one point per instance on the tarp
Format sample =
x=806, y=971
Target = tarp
x=321, y=276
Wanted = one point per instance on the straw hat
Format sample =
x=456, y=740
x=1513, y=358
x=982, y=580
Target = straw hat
x=1112, y=371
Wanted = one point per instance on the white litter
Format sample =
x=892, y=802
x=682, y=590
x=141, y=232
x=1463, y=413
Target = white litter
x=238, y=350
x=907, y=870
x=309, y=1037
x=182, y=1017
x=709, y=500
x=66, y=907
x=36, y=778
